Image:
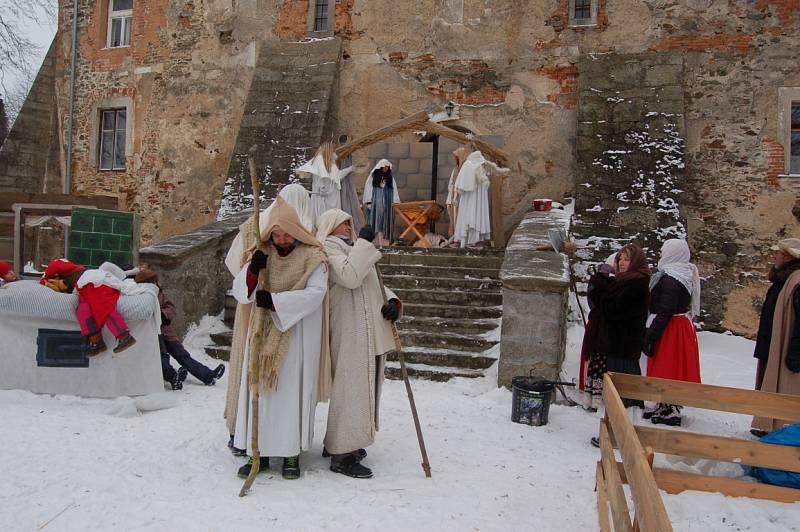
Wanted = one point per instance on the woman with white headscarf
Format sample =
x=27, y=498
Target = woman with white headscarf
x=326, y=180
x=380, y=193
x=671, y=341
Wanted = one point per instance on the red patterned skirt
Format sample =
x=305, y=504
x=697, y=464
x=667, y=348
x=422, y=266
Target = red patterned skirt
x=677, y=355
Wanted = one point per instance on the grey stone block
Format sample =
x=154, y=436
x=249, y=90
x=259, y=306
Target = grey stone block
x=421, y=150
x=419, y=181
x=408, y=166
x=397, y=151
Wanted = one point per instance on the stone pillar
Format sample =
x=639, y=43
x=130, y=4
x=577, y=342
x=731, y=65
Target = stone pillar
x=535, y=296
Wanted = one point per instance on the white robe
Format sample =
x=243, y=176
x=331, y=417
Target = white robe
x=473, y=223
x=286, y=415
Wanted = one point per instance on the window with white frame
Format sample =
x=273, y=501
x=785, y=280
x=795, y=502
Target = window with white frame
x=120, y=14
x=111, y=145
x=582, y=12
x=794, y=139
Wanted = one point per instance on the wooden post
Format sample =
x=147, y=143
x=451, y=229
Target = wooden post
x=498, y=229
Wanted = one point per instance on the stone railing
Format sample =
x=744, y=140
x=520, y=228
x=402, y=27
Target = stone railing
x=535, y=298
x=192, y=269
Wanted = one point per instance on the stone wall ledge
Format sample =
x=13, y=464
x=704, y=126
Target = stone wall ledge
x=179, y=247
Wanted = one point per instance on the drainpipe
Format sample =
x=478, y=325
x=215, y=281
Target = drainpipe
x=68, y=179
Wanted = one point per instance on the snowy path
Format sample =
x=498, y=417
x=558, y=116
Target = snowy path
x=91, y=469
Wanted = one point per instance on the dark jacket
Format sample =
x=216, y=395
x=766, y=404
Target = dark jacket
x=620, y=308
x=667, y=298
x=168, y=313
x=765, y=323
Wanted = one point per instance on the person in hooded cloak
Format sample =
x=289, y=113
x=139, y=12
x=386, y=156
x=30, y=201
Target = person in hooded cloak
x=326, y=180
x=361, y=337
x=291, y=367
x=380, y=193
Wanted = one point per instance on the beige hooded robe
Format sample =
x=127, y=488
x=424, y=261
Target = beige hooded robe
x=360, y=337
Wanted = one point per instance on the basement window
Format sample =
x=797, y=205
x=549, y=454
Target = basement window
x=582, y=12
x=120, y=14
x=321, y=15
x=113, y=124
x=794, y=140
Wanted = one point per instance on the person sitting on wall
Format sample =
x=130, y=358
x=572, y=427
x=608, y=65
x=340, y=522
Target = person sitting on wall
x=171, y=345
x=7, y=274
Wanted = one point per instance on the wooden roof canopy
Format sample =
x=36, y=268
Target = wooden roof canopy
x=421, y=122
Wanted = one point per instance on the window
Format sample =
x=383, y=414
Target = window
x=120, y=13
x=794, y=141
x=321, y=15
x=582, y=12
x=112, y=139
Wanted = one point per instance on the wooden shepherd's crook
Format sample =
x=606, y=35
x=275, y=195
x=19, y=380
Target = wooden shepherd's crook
x=259, y=326
x=426, y=466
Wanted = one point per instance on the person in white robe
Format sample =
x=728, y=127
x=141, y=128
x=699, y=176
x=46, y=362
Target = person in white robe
x=360, y=338
x=380, y=193
x=326, y=180
x=291, y=374
x=238, y=255
x=473, y=223
x=452, y=195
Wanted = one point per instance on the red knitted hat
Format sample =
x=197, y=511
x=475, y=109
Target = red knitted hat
x=4, y=268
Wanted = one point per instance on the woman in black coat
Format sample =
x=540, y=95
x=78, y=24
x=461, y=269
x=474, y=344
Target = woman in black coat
x=619, y=311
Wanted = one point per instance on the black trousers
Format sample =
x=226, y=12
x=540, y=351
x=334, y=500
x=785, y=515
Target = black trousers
x=176, y=350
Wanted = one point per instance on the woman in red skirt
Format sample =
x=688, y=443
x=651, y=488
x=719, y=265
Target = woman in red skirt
x=671, y=341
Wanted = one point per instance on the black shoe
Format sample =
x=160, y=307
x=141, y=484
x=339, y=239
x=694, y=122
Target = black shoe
x=595, y=441
x=95, y=345
x=670, y=415
x=351, y=467
x=235, y=450
x=177, y=379
x=758, y=433
x=218, y=372
x=124, y=341
x=291, y=467
x=360, y=454
x=263, y=465
x=647, y=414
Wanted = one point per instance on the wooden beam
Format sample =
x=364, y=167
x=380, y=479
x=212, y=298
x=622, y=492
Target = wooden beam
x=613, y=485
x=721, y=448
x=498, y=227
x=602, y=499
x=489, y=150
x=649, y=507
x=8, y=199
x=674, y=482
x=721, y=398
x=410, y=123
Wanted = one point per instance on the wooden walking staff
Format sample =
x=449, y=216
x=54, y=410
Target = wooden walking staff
x=426, y=466
x=258, y=331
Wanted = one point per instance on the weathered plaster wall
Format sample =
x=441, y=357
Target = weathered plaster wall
x=186, y=73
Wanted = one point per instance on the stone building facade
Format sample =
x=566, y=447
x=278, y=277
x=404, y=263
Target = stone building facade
x=519, y=70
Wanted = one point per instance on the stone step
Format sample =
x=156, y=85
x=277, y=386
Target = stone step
x=430, y=373
x=438, y=283
x=223, y=338
x=441, y=258
x=433, y=356
x=451, y=311
x=219, y=352
x=445, y=340
x=441, y=272
x=473, y=298
x=452, y=325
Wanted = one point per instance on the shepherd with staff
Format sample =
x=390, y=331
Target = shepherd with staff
x=287, y=359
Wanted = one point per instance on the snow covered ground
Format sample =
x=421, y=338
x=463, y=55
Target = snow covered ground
x=80, y=464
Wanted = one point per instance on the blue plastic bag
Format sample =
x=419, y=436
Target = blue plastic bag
x=788, y=435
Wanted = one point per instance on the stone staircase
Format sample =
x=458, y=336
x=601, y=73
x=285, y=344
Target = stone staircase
x=284, y=118
x=452, y=309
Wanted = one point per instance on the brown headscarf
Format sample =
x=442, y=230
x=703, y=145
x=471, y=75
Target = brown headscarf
x=146, y=276
x=638, y=268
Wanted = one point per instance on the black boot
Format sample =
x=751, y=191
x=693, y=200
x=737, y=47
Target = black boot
x=218, y=372
x=235, y=450
x=263, y=465
x=350, y=466
x=95, y=345
x=671, y=416
x=178, y=378
x=360, y=454
x=291, y=467
x=124, y=341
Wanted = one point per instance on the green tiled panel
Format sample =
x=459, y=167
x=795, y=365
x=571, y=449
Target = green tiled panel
x=97, y=236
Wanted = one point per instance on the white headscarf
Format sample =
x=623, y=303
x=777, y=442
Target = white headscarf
x=330, y=220
x=316, y=166
x=296, y=196
x=675, y=256
x=367, y=194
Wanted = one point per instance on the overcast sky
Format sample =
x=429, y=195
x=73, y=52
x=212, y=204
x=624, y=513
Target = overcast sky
x=42, y=35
